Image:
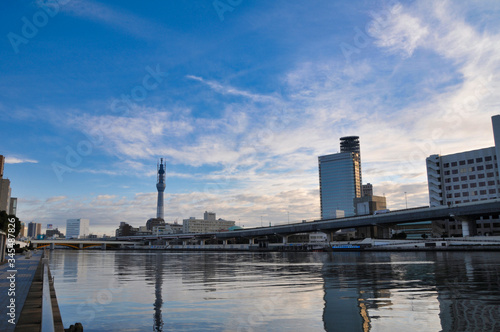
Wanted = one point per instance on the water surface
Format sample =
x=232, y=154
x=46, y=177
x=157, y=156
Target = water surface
x=205, y=291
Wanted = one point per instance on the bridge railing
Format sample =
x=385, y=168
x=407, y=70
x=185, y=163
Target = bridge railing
x=47, y=313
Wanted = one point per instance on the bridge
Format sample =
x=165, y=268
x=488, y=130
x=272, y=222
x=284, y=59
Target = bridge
x=83, y=243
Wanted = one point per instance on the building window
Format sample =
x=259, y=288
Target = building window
x=487, y=158
x=455, y=179
x=489, y=166
x=482, y=192
x=446, y=165
x=492, y=191
x=490, y=175
x=480, y=168
x=474, y=193
x=455, y=171
x=447, y=180
x=472, y=177
x=448, y=187
x=453, y=164
x=480, y=176
x=482, y=184
x=470, y=161
x=457, y=194
x=463, y=178
x=446, y=172
x=465, y=194
x=463, y=170
x=456, y=187
x=448, y=195
x=462, y=162
x=465, y=186
x=491, y=183
x=479, y=160
x=473, y=185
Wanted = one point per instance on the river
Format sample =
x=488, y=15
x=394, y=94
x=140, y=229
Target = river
x=231, y=291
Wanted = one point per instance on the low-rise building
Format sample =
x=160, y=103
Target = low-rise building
x=209, y=224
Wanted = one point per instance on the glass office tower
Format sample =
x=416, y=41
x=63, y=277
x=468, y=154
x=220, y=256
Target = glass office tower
x=339, y=183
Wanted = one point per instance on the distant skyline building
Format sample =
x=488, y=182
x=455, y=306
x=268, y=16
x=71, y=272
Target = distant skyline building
x=160, y=186
x=77, y=228
x=367, y=189
x=340, y=183
x=13, y=206
x=34, y=229
x=208, y=224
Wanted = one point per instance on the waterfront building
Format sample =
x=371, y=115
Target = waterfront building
x=126, y=230
x=34, y=229
x=339, y=183
x=464, y=177
x=53, y=233
x=208, y=224
x=77, y=228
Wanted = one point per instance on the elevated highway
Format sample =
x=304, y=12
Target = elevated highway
x=467, y=211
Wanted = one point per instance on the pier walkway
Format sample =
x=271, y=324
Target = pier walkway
x=26, y=294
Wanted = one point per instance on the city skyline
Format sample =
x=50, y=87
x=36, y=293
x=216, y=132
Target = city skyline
x=240, y=103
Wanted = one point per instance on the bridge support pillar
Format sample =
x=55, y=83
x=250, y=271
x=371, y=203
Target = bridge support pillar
x=224, y=242
x=80, y=246
x=285, y=239
x=52, y=245
x=468, y=225
x=184, y=243
x=103, y=246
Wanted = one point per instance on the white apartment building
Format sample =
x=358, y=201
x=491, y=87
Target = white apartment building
x=77, y=228
x=465, y=177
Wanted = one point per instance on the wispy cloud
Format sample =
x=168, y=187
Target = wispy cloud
x=15, y=160
x=127, y=22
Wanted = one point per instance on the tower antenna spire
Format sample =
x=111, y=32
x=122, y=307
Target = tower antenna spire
x=160, y=186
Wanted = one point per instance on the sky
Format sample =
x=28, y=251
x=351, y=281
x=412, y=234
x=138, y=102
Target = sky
x=239, y=97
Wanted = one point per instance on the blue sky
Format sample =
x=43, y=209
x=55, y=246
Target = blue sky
x=240, y=100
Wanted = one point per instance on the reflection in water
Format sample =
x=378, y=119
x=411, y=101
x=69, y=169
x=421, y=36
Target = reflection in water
x=431, y=291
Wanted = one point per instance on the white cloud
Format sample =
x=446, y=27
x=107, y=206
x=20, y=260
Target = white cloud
x=15, y=160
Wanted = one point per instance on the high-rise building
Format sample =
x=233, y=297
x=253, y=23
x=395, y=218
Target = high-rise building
x=13, y=206
x=351, y=144
x=77, y=228
x=339, y=182
x=2, y=163
x=5, y=191
x=34, y=229
x=160, y=186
